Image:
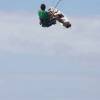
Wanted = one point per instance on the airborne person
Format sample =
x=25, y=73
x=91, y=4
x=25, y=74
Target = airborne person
x=44, y=17
x=49, y=18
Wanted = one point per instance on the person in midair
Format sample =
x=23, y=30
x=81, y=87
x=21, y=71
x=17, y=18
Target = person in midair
x=44, y=17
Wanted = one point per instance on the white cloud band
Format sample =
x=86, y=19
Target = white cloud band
x=22, y=33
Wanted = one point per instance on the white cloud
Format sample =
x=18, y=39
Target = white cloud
x=21, y=33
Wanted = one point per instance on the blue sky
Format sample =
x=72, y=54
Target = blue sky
x=49, y=63
x=79, y=7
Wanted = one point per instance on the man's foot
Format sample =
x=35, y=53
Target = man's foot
x=67, y=24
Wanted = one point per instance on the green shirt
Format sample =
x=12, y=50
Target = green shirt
x=43, y=15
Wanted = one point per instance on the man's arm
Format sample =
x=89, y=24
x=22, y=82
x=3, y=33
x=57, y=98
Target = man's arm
x=40, y=21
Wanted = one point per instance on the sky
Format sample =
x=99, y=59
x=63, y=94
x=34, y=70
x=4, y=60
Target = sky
x=49, y=63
